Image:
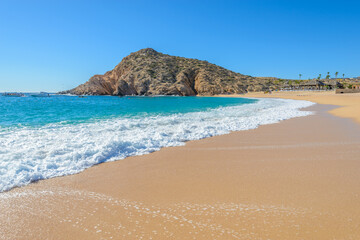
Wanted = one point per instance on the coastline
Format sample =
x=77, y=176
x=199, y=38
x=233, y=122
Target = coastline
x=348, y=104
x=292, y=180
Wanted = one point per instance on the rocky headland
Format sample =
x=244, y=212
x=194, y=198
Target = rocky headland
x=148, y=72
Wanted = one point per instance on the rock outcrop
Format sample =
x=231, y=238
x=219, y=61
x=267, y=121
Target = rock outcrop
x=148, y=72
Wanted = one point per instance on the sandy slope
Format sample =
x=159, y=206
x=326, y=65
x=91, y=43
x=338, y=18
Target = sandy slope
x=298, y=179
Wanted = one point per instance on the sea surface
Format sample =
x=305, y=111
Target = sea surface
x=45, y=137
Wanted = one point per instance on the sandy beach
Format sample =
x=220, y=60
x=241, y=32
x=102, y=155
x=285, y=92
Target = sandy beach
x=297, y=179
x=348, y=104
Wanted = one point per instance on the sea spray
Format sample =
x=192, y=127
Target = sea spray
x=56, y=148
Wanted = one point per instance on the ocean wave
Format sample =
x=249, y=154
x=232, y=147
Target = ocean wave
x=31, y=154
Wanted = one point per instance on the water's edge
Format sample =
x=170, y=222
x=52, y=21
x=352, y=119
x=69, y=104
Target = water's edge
x=168, y=131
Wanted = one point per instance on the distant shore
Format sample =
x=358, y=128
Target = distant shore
x=298, y=179
x=349, y=104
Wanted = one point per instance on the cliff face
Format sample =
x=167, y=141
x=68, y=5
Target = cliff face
x=148, y=72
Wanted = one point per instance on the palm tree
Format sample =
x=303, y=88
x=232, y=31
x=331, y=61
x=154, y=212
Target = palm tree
x=328, y=75
x=336, y=74
x=319, y=77
x=343, y=76
x=300, y=76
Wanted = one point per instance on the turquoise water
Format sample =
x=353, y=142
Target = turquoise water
x=53, y=136
x=36, y=111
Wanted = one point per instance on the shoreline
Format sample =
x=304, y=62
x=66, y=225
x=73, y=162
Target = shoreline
x=62, y=155
x=348, y=104
x=287, y=172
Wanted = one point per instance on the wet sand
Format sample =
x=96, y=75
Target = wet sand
x=299, y=179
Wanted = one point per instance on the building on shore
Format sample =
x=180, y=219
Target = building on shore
x=356, y=86
x=310, y=85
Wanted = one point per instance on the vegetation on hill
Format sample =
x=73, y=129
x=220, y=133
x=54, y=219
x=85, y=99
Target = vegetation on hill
x=148, y=72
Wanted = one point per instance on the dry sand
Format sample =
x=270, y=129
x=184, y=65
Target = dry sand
x=349, y=104
x=299, y=179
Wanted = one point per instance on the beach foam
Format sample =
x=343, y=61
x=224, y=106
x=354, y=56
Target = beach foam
x=29, y=154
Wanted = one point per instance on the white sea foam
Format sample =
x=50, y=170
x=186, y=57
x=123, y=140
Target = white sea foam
x=28, y=154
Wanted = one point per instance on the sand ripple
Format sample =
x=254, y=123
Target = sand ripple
x=97, y=216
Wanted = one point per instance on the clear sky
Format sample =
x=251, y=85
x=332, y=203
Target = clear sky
x=55, y=45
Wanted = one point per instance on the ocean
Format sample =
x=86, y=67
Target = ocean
x=45, y=137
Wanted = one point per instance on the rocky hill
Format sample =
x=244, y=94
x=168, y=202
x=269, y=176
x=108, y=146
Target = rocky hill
x=148, y=72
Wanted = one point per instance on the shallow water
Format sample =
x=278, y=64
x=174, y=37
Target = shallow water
x=59, y=135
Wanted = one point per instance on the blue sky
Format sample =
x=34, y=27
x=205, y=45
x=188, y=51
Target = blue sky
x=56, y=45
